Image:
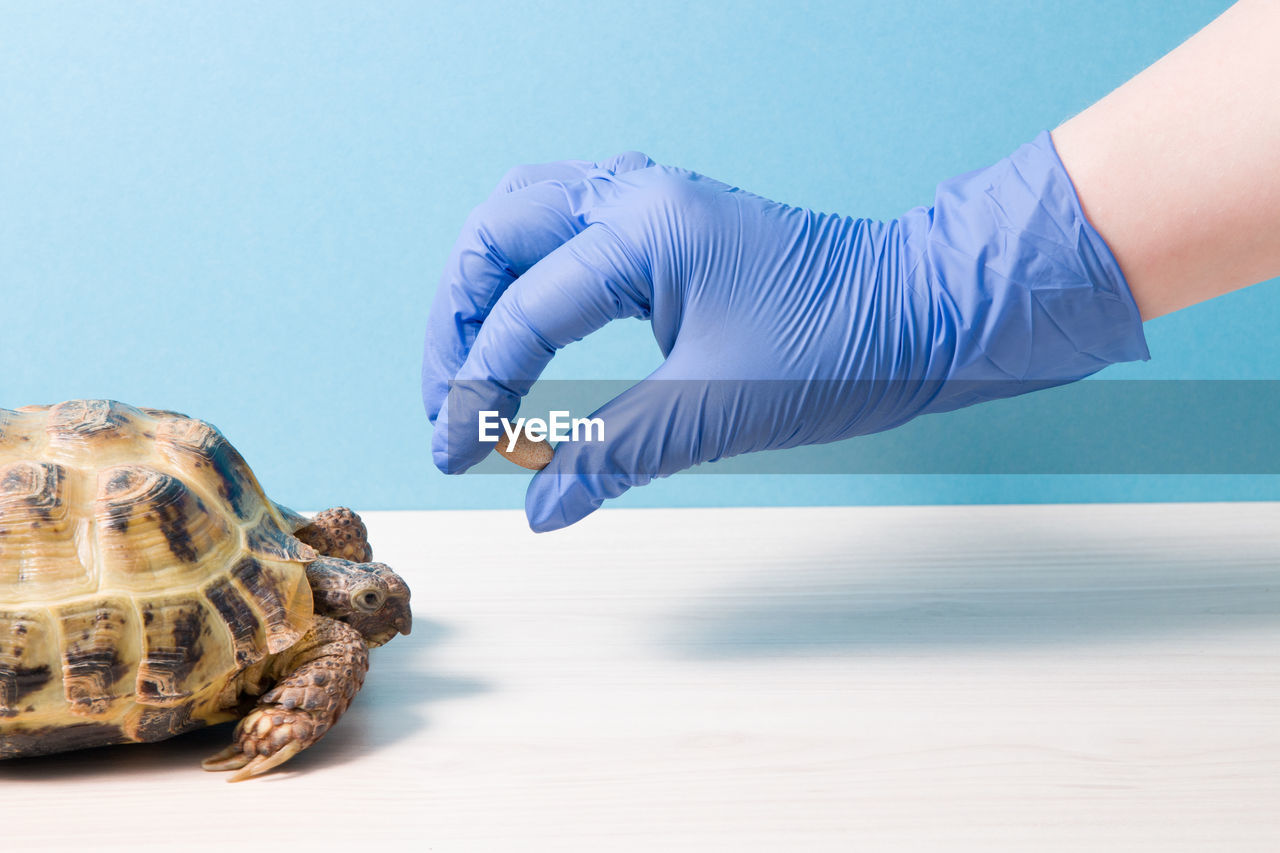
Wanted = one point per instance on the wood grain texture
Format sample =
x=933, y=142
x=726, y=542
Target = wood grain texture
x=944, y=678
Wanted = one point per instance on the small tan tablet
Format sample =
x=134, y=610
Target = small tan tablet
x=534, y=455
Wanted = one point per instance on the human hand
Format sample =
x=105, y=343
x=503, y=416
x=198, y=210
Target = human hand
x=780, y=326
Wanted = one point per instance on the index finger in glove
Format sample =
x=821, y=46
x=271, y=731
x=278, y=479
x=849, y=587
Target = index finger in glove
x=527, y=217
x=578, y=288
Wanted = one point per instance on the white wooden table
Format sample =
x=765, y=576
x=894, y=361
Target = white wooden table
x=1022, y=678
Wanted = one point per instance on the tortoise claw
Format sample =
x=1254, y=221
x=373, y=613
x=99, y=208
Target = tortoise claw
x=230, y=758
x=263, y=763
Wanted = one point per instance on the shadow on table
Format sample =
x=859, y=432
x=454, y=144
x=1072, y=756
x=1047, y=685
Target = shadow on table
x=389, y=708
x=1026, y=587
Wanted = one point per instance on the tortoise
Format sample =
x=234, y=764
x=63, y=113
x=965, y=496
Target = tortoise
x=148, y=587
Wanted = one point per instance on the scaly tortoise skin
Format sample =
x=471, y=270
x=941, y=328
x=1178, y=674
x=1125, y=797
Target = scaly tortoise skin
x=149, y=587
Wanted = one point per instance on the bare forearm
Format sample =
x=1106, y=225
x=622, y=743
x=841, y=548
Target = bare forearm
x=1179, y=168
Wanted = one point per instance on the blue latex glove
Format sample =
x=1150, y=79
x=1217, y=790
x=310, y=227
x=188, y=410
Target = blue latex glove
x=780, y=326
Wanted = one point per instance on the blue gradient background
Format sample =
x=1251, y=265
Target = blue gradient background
x=240, y=210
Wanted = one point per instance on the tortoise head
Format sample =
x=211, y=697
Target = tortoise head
x=369, y=597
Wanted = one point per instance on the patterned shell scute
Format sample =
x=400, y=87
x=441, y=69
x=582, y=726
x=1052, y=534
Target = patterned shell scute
x=40, y=542
x=141, y=567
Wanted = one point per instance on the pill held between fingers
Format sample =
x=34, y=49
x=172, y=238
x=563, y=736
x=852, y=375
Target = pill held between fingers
x=534, y=455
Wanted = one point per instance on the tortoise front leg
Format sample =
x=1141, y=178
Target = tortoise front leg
x=320, y=675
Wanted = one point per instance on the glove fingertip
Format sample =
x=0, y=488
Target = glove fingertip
x=557, y=498
x=627, y=161
x=543, y=506
x=542, y=520
x=441, y=461
x=446, y=462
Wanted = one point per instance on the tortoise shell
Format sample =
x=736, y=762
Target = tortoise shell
x=141, y=570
